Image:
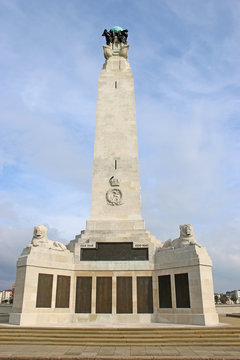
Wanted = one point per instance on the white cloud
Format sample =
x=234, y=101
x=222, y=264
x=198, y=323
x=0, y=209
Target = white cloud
x=184, y=57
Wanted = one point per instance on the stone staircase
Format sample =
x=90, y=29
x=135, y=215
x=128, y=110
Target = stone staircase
x=182, y=336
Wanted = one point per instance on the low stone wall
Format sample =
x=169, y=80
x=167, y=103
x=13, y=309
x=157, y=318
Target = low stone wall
x=228, y=309
x=5, y=309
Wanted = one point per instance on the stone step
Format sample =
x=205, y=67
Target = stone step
x=120, y=338
x=126, y=335
x=118, y=335
x=122, y=333
x=124, y=343
x=180, y=330
x=112, y=337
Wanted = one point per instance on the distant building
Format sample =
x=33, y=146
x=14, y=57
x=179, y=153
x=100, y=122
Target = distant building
x=234, y=293
x=6, y=296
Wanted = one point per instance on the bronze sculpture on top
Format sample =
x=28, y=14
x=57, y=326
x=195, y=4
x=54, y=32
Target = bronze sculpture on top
x=121, y=34
x=116, y=44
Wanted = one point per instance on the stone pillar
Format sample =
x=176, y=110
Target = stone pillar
x=114, y=295
x=94, y=280
x=116, y=202
x=134, y=293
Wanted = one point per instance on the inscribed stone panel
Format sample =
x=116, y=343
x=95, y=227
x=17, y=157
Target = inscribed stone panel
x=44, y=290
x=104, y=295
x=144, y=295
x=63, y=291
x=83, y=294
x=165, y=296
x=182, y=291
x=114, y=252
x=124, y=295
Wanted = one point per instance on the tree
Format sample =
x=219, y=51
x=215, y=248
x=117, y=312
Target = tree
x=223, y=298
x=234, y=298
x=216, y=297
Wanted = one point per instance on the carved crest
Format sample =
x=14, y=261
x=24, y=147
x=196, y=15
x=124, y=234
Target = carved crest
x=114, y=181
x=114, y=197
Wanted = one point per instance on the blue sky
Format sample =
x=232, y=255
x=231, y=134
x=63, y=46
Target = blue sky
x=184, y=56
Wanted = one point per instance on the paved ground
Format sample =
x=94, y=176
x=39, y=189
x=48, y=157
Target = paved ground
x=48, y=352
x=118, y=352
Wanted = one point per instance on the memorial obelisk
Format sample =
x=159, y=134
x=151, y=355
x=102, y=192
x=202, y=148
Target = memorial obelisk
x=114, y=271
x=116, y=200
x=116, y=193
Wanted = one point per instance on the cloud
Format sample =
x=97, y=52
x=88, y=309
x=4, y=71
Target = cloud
x=184, y=57
x=10, y=249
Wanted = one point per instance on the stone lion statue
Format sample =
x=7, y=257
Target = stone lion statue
x=40, y=239
x=185, y=239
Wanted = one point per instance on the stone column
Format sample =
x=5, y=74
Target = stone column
x=94, y=287
x=116, y=202
x=134, y=292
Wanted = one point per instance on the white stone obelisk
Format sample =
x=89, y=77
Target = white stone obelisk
x=115, y=258
x=116, y=199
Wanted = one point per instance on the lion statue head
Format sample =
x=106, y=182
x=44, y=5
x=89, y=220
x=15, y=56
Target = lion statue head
x=41, y=240
x=185, y=239
x=186, y=231
x=40, y=232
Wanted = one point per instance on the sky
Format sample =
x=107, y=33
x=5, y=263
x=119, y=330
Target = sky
x=184, y=55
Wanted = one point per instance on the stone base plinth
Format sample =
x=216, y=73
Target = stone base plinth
x=96, y=225
x=170, y=286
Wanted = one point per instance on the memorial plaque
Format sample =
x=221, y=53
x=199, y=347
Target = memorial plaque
x=182, y=291
x=144, y=295
x=124, y=295
x=164, y=287
x=63, y=291
x=83, y=295
x=44, y=291
x=104, y=295
x=114, y=252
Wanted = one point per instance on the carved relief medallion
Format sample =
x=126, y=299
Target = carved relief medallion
x=114, y=197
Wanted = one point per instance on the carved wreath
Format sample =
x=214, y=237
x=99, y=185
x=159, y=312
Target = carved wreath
x=114, y=197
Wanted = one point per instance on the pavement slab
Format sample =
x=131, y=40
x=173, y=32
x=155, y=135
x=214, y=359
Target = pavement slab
x=75, y=350
x=186, y=350
x=138, y=350
x=62, y=352
x=91, y=351
x=122, y=351
x=107, y=350
x=153, y=350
